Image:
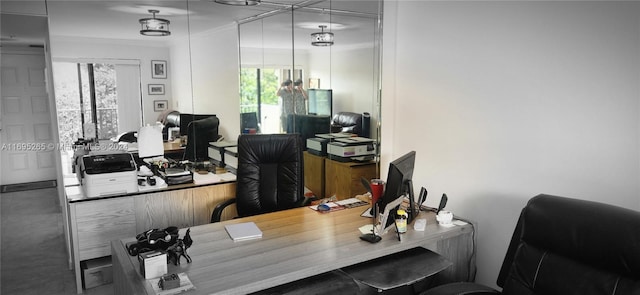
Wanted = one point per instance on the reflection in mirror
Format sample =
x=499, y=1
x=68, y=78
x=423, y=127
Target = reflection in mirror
x=339, y=78
x=320, y=89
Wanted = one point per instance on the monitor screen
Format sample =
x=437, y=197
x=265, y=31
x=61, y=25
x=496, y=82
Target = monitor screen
x=399, y=183
x=185, y=119
x=320, y=102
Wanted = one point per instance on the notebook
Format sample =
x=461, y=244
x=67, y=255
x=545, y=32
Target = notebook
x=243, y=231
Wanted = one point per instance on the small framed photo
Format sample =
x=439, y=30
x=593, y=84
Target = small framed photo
x=314, y=83
x=156, y=89
x=160, y=105
x=159, y=69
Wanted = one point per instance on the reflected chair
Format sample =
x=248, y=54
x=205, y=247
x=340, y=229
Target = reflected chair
x=308, y=125
x=249, y=121
x=349, y=122
x=270, y=175
x=567, y=246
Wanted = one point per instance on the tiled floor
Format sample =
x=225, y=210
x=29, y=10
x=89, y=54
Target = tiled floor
x=33, y=254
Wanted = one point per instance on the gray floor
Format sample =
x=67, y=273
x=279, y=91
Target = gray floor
x=33, y=254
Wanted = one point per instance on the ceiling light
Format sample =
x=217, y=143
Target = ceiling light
x=154, y=26
x=322, y=38
x=239, y=2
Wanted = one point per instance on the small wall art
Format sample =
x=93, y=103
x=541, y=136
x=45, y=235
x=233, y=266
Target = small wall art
x=160, y=105
x=159, y=69
x=156, y=89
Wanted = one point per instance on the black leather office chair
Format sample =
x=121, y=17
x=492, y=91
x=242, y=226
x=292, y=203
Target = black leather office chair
x=355, y=123
x=249, y=121
x=569, y=247
x=199, y=134
x=270, y=175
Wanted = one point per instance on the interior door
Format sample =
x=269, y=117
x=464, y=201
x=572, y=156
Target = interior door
x=26, y=138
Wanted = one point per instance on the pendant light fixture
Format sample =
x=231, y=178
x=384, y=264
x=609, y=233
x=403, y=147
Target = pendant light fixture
x=238, y=2
x=322, y=38
x=154, y=26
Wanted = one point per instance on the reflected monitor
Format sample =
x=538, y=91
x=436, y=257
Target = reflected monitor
x=320, y=101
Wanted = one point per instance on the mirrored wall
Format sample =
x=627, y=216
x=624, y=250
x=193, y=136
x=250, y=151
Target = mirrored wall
x=289, y=84
x=230, y=61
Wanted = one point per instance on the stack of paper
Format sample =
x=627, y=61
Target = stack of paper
x=243, y=231
x=205, y=178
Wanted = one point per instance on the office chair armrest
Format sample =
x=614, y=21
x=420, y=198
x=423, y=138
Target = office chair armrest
x=216, y=215
x=465, y=288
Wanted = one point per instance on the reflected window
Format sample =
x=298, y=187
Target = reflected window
x=93, y=93
x=260, y=93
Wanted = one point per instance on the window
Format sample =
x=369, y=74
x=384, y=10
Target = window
x=258, y=93
x=91, y=93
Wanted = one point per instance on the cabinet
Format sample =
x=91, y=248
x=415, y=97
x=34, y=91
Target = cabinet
x=343, y=179
x=314, y=173
x=163, y=209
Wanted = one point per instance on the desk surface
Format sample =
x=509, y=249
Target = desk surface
x=296, y=243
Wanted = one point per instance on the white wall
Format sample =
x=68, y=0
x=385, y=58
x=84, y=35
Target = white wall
x=86, y=48
x=349, y=72
x=506, y=100
x=215, y=77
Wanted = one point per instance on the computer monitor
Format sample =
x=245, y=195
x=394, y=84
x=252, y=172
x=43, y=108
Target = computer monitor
x=399, y=183
x=320, y=101
x=200, y=133
x=185, y=119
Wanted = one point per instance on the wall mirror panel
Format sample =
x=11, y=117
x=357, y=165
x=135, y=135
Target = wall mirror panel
x=216, y=60
x=342, y=77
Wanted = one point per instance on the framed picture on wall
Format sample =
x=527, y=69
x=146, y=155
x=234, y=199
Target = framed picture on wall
x=159, y=69
x=160, y=105
x=314, y=83
x=156, y=89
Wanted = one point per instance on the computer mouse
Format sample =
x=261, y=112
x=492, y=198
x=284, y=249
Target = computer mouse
x=323, y=207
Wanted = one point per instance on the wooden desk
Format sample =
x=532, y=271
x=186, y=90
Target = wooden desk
x=296, y=243
x=173, y=149
x=94, y=223
x=172, y=146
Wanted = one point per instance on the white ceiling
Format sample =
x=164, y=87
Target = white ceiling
x=118, y=20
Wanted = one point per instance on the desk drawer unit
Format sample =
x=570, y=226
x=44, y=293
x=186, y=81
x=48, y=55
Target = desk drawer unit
x=98, y=222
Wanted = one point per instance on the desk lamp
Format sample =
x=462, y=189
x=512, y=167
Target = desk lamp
x=376, y=188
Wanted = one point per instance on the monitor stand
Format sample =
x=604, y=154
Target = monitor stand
x=371, y=238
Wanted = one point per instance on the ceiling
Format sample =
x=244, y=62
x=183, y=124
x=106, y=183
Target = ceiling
x=118, y=20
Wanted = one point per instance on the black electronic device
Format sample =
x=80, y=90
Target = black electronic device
x=200, y=134
x=185, y=119
x=443, y=202
x=422, y=197
x=399, y=182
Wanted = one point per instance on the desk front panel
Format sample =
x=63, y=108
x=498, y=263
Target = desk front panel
x=296, y=243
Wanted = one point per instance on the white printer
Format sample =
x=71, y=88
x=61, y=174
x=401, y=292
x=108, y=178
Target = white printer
x=347, y=149
x=108, y=174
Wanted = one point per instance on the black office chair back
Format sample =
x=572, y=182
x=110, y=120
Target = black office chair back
x=308, y=125
x=270, y=173
x=570, y=246
x=249, y=121
x=199, y=134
